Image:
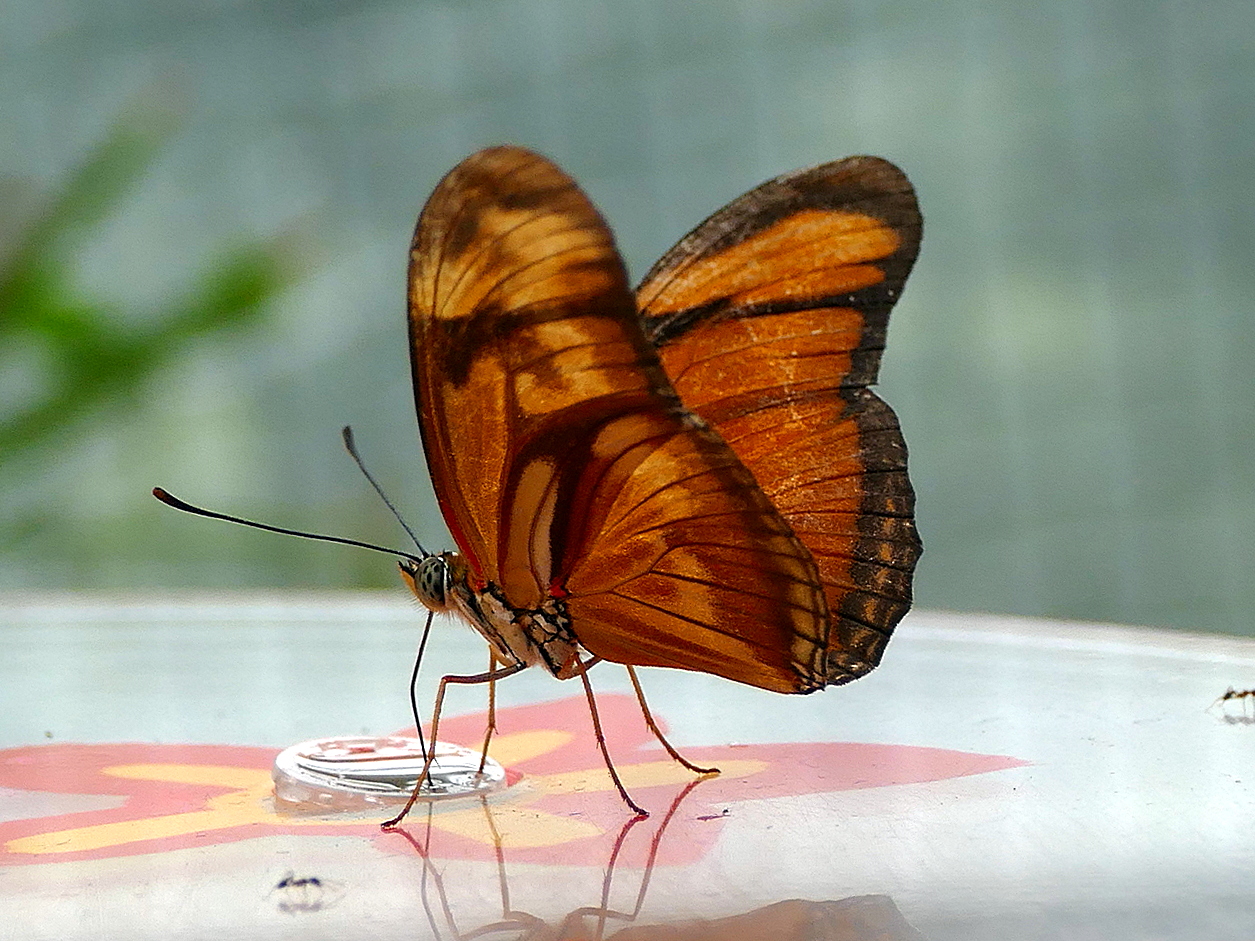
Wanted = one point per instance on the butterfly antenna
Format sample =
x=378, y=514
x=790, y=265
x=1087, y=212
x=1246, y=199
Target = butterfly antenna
x=171, y=500
x=347, y=434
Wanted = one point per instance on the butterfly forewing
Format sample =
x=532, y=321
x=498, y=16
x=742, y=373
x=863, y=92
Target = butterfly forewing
x=509, y=263
x=770, y=319
x=565, y=464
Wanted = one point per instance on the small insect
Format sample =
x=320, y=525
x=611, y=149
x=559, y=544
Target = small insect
x=305, y=893
x=1231, y=695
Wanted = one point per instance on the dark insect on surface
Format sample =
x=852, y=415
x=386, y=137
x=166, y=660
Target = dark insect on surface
x=305, y=893
x=1244, y=696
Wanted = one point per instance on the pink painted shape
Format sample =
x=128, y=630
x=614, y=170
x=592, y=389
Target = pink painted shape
x=67, y=768
x=792, y=769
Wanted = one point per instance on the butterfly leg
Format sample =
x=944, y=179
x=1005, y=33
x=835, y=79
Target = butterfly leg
x=601, y=741
x=653, y=726
x=492, y=712
x=474, y=679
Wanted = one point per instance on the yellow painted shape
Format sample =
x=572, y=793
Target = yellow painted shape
x=227, y=810
x=519, y=827
x=511, y=749
x=209, y=775
x=247, y=803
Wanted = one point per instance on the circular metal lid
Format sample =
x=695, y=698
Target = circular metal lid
x=357, y=772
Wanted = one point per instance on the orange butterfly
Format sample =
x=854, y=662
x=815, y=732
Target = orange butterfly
x=696, y=476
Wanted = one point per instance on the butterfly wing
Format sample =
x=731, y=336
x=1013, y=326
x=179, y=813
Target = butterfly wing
x=509, y=267
x=562, y=459
x=770, y=319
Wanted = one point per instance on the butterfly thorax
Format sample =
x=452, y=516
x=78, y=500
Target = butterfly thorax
x=540, y=636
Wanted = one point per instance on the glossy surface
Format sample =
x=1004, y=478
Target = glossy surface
x=995, y=778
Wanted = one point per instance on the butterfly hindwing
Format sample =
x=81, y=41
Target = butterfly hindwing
x=770, y=318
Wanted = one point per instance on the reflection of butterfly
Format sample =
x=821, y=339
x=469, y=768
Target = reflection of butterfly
x=695, y=477
x=868, y=917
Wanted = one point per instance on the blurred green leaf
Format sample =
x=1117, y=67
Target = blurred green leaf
x=91, y=357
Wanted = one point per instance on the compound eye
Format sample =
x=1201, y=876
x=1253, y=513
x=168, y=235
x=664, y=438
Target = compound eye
x=431, y=581
x=433, y=576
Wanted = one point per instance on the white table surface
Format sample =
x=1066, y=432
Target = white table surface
x=995, y=778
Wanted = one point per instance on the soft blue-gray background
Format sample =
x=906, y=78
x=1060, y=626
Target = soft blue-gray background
x=1071, y=361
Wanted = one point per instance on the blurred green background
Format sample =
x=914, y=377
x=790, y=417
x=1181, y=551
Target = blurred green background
x=206, y=209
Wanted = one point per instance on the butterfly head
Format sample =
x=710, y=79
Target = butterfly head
x=432, y=579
